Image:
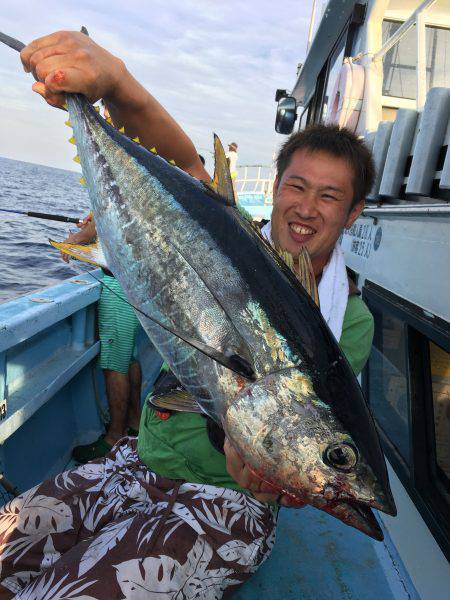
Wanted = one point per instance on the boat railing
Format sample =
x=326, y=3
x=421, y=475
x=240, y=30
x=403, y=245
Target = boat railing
x=51, y=387
x=46, y=338
x=257, y=180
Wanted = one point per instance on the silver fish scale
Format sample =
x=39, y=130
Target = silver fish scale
x=157, y=252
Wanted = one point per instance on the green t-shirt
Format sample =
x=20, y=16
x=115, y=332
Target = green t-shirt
x=179, y=447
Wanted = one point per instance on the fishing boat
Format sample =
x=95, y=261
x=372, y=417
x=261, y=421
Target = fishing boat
x=379, y=68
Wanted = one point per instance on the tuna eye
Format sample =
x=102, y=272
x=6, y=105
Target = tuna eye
x=341, y=456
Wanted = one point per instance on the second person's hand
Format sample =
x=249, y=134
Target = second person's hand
x=261, y=490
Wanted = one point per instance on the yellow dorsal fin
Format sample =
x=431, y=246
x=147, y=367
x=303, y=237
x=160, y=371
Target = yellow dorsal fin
x=137, y=140
x=154, y=150
x=83, y=181
x=122, y=130
x=109, y=120
x=222, y=182
x=68, y=123
x=72, y=140
x=172, y=162
x=77, y=159
x=304, y=273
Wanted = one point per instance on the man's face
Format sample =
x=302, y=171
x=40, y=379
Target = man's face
x=311, y=205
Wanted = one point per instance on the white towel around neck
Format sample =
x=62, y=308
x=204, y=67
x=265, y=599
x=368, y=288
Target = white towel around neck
x=333, y=287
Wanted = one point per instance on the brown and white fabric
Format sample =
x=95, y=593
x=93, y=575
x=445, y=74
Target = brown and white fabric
x=114, y=529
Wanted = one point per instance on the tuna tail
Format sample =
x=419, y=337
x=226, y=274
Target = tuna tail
x=235, y=363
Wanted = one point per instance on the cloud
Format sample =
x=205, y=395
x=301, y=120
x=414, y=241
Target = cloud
x=215, y=66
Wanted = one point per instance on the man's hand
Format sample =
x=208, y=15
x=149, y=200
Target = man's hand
x=86, y=235
x=261, y=490
x=68, y=61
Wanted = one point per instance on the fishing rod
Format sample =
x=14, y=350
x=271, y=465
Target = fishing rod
x=39, y=215
x=16, y=45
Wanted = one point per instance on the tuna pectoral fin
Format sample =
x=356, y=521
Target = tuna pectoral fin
x=222, y=182
x=91, y=253
x=177, y=400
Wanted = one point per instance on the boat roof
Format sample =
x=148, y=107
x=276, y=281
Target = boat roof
x=332, y=23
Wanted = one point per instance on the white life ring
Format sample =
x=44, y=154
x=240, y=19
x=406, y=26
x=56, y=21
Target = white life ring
x=347, y=98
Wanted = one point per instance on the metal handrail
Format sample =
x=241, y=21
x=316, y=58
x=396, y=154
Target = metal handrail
x=401, y=31
x=255, y=184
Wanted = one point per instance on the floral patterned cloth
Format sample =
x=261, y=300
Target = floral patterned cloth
x=114, y=529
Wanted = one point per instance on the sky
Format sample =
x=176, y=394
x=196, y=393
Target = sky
x=214, y=65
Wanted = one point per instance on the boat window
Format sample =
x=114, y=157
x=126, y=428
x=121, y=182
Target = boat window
x=407, y=384
x=334, y=67
x=438, y=57
x=440, y=382
x=399, y=63
x=303, y=121
x=387, y=377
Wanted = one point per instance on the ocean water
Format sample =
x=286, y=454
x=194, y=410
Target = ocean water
x=27, y=261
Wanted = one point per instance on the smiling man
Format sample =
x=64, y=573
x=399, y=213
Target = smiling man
x=321, y=183
x=179, y=513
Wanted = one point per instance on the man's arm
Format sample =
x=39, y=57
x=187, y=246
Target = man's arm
x=72, y=62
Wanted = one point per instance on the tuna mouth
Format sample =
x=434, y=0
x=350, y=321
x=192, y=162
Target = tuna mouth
x=358, y=516
x=351, y=512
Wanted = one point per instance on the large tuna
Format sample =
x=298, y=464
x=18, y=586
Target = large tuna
x=235, y=326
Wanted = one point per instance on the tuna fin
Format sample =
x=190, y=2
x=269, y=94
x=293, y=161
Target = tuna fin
x=90, y=253
x=177, y=400
x=305, y=273
x=222, y=182
x=234, y=362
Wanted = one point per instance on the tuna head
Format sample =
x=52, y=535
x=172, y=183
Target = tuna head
x=294, y=441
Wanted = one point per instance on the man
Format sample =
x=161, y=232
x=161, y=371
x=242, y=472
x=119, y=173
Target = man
x=118, y=327
x=173, y=516
x=232, y=158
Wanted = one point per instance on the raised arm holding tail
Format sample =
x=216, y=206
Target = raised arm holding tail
x=69, y=61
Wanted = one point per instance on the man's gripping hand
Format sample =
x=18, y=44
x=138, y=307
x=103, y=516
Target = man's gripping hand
x=69, y=61
x=86, y=235
x=261, y=490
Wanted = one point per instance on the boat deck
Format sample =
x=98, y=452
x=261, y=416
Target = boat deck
x=54, y=399
x=317, y=558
